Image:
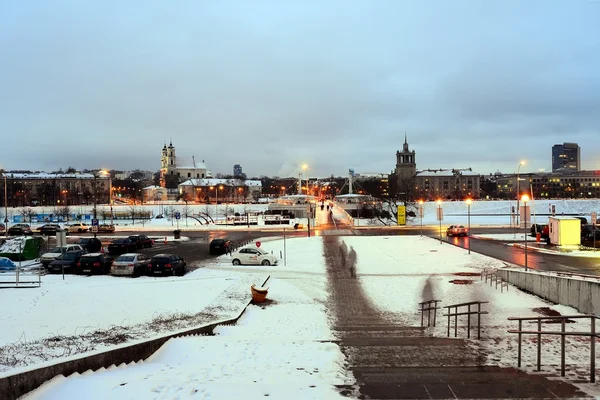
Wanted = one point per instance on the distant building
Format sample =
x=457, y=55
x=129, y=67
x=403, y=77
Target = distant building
x=219, y=190
x=172, y=172
x=406, y=183
x=565, y=184
x=48, y=189
x=457, y=184
x=237, y=170
x=566, y=157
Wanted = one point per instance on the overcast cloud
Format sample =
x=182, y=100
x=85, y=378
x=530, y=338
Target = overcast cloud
x=275, y=84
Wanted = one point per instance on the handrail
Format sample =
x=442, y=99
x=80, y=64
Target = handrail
x=562, y=333
x=428, y=309
x=469, y=313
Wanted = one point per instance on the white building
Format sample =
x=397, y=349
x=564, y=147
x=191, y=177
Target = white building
x=174, y=171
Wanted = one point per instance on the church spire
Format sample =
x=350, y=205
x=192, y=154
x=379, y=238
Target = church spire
x=405, y=146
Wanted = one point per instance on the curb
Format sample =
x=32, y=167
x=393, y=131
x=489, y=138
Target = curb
x=14, y=386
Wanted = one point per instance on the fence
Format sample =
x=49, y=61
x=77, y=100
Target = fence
x=468, y=313
x=492, y=275
x=563, y=334
x=426, y=306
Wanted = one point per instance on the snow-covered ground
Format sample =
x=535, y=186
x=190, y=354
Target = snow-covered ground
x=282, y=349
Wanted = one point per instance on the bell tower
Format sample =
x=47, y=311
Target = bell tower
x=406, y=166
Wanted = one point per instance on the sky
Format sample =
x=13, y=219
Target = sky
x=285, y=349
x=273, y=85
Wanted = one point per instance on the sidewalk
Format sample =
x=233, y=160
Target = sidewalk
x=390, y=360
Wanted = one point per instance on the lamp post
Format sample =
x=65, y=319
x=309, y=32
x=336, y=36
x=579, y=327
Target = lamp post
x=518, y=189
x=525, y=199
x=304, y=168
x=421, y=214
x=439, y=203
x=5, y=206
x=469, y=201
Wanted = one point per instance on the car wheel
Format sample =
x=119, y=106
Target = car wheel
x=236, y=262
x=266, y=262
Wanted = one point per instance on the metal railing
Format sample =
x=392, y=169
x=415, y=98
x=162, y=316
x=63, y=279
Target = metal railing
x=427, y=306
x=492, y=276
x=468, y=313
x=563, y=334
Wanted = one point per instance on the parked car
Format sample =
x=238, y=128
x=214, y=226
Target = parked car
x=76, y=227
x=253, y=256
x=166, y=264
x=105, y=228
x=90, y=244
x=49, y=229
x=20, y=229
x=456, y=230
x=2, y=227
x=50, y=256
x=121, y=246
x=219, y=246
x=131, y=264
x=94, y=263
x=142, y=241
x=67, y=260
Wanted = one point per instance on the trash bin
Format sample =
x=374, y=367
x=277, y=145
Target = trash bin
x=538, y=237
x=177, y=234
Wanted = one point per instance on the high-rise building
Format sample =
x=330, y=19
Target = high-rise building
x=566, y=157
x=237, y=170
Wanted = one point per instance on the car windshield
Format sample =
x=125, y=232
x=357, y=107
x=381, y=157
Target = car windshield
x=120, y=241
x=90, y=258
x=160, y=260
x=57, y=250
x=84, y=241
x=125, y=259
x=68, y=256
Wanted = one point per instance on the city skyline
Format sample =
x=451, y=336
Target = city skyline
x=278, y=85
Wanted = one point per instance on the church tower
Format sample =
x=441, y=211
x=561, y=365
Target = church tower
x=169, y=178
x=406, y=166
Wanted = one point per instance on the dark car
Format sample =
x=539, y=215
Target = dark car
x=20, y=229
x=67, y=260
x=94, y=263
x=50, y=229
x=166, y=264
x=2, y=227
x=142, y=241
x=123, y=245
x=542, y=229
x=219, y=246
x=91, y=244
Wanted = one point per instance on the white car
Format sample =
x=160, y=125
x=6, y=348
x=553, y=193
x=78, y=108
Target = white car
x=78, y=227
x=253, y=256
x=130, y=264
x=53, y=254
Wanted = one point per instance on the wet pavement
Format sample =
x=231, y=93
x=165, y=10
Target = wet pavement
x=392, y=360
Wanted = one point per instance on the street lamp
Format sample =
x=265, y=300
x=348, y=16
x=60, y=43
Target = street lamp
x=5, y=206
x=304, y=168
x=525, y=199
x=421, y=214
x=439, y=203
x=518, y=189
x=469, y=201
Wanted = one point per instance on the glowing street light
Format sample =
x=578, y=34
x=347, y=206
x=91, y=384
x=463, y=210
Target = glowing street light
x=518, y=189
x=440, y=216
x=525, y=199
x=469, y=201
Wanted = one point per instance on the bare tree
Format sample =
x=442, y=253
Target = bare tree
x=64, y=212
x=186, y=211
x=132, y=213
x=28, y=213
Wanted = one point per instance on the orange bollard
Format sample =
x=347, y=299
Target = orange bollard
x=165, y=240
x=538, y=237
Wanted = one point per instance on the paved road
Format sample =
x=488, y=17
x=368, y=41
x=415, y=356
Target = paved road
x=197, y=248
